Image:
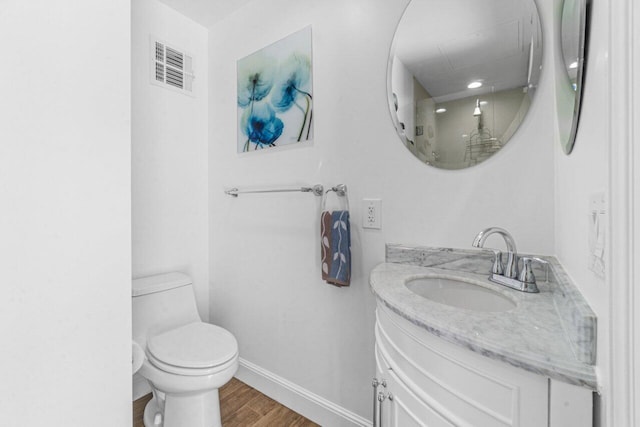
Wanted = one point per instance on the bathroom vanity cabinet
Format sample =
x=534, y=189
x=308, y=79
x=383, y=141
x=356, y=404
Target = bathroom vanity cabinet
x=426, y=381
x=453, y=349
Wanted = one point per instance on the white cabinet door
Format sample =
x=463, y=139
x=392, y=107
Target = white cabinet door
x=407, y=410
x=401, y=407
x=436, y=383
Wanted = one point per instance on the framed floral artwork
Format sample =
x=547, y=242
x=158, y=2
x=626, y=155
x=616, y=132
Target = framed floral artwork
x=275, y=94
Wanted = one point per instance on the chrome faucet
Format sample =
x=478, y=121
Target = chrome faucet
x=508, y=275
x=511, y=270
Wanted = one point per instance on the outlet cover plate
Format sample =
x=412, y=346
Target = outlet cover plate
x=371, y=213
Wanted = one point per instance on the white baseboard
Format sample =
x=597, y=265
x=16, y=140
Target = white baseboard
x=304, y=402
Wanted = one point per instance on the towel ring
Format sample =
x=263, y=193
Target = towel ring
x=341, y=191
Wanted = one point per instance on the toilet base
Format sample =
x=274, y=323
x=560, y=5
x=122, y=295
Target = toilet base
x=202, y=410
x=152, y=415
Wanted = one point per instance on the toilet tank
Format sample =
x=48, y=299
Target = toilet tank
x=160, y=303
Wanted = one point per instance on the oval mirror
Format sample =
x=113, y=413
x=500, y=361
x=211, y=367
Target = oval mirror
x=461, y=77
x=574, y=31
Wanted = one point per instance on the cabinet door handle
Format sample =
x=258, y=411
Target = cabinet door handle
x=375, y=384
x=378, y=419
x=378, y=398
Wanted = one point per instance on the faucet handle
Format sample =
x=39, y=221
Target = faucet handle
x=546, y=267
x=526, y=275
x=497, y=261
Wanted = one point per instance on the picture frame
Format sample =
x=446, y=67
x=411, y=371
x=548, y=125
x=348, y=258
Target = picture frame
x=275, y=95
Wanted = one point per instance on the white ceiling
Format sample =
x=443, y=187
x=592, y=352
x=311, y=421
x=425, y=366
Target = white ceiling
x=206, y=12
x=444, y=43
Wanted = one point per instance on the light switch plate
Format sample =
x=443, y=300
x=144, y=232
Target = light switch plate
x=597, y=234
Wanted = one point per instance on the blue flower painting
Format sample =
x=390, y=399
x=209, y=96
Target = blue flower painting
x=260, y=125
x=275, y=101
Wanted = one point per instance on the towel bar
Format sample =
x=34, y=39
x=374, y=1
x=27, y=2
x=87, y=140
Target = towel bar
x=316, y=190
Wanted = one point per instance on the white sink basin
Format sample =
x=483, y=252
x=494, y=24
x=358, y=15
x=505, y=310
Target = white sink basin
x=460, y=294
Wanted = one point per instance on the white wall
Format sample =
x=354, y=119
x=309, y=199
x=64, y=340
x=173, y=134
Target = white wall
x=65, y=246
x=264, y=259
x=585, y=172
x=169, y=154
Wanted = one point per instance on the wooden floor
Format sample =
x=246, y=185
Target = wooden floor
x=242, y=406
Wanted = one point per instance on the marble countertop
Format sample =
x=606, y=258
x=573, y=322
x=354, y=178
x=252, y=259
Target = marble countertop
x=551, y=333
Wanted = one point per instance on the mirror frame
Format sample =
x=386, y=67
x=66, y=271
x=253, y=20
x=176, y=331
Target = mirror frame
x=583, y=43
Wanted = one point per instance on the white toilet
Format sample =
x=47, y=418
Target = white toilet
x=187, y=360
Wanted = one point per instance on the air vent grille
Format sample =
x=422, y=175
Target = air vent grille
x=175, y=78
x=159, y=52
x=159, y=72
x=172, y=68
x=174, y=58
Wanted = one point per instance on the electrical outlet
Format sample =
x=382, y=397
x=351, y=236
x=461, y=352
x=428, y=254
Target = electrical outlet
x=371, y=213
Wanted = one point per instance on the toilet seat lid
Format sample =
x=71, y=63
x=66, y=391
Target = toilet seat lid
x=195, y=345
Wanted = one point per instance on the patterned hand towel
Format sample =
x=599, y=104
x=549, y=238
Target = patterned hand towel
x=336, y=247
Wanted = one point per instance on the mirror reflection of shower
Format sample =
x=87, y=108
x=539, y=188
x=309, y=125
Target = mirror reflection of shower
x=477, y=112
x=464, y=132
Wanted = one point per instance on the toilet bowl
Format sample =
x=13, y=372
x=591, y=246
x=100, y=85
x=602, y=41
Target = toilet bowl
x=186, y=360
